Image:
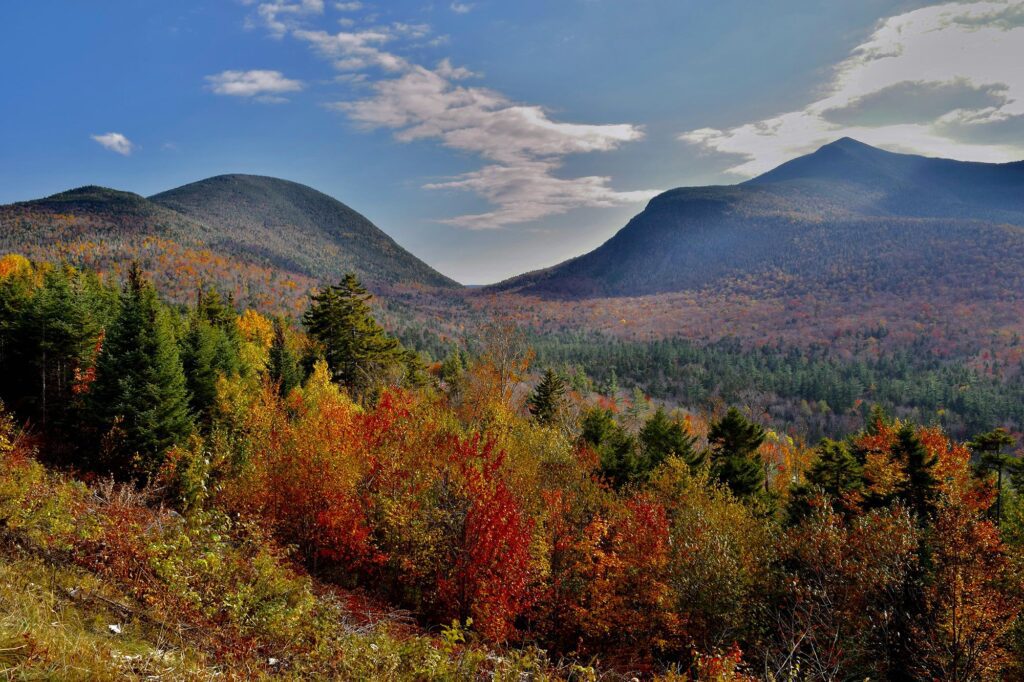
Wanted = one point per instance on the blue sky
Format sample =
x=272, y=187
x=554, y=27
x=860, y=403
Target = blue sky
x=491, y=138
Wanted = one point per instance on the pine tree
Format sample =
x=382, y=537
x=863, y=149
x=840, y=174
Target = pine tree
x=734, y=441
x=140, y=399
x=358, y=351
x=548, y=398
x=616, y=448
x=661, y=438
x=920, y=490
x=836, y=470
x=990, y=446
x=283, y=366
x=210, y=348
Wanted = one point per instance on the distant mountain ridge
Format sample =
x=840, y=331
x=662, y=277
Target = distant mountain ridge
x=265, y=240
x=296, y=227
x=846, y=216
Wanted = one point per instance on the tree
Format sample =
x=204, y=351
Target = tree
x=548, y=398
x=661, y=438
x=920, y=488
x=140, y=399
x=283, y=365
x=734, y=442
x=616, y=448
x=358, y=351
x=638, y=406
x=990, y=446
x=835, y=473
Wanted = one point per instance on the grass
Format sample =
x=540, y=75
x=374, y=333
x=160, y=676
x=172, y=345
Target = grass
x=97, y=582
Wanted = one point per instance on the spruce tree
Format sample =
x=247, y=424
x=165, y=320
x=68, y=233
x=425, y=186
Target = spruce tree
x=140, y=399
x=734, y=441
x=835, y=471
x=548, y=398
x=210, y=348
x=920, y=490
x=616, y=448
x=283, y=366
x=358, y=351
x=990, y=446
x=661, y=438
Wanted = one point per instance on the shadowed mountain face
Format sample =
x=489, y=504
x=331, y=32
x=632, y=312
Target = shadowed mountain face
x=264, y=240
x=296, y=228
x=847, y=217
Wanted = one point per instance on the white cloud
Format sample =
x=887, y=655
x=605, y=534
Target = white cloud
x=528, y=190
x=461, y=7
x=280, y=15
x=348, y=6
x=354, y=51
x=115, y=142
x=445, y=69
x=264, y=86
x=422, y=104
x=944, y=80
x=522, y=146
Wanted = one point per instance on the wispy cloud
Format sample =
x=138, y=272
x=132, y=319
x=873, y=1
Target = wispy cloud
x=115, y=142
x=461, y=7
x=522, y=146
x=905, y=89
x=280, y=16
x=262, y=85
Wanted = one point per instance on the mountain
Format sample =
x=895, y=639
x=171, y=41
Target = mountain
x=296, y=228
x=846, y=218
x=264, y=240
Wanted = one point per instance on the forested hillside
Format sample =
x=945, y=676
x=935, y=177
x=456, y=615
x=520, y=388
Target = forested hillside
x=297, y=229
x=202, y=489
x=266, y=242
x=847, y=221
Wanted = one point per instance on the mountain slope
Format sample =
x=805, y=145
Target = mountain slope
x=265, y=241
x=847, y=218
x=296, y=228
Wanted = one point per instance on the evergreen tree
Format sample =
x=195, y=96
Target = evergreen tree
x=920, y=490
x=734, y=441
x=616, y=448
x=58, y=334
x=661, y=438
x=596, y=426
x=548, y=398
x=638, y=406
x=140, y=398
x=990, y=447
x=283, y=366
x=610, y=388
x=211, y=347
x=835, y=471
x=358, y=351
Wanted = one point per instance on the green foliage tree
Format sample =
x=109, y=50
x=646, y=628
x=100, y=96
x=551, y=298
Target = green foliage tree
x=548, y=399
x=283, y=365
x=989, y=446
x=358, y=351
x=616, y=448
x=835, y=472
x=920, y=490
x=662, y=437
x=210, y=348
x=140, y=400
x=734, y=441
